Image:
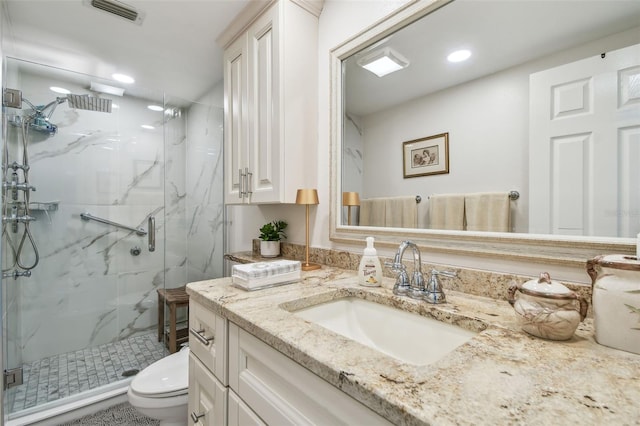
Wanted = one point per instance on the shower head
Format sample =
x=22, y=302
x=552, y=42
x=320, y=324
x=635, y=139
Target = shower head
x=39, y=119
x=89, y=103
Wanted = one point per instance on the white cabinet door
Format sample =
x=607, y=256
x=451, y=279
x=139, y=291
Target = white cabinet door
x=236, y=145
x=208, y=339
x=271, y=103
x=283, y=392
x=207, y=396
x=584, y=142
x=264, y=88
x=240, y=414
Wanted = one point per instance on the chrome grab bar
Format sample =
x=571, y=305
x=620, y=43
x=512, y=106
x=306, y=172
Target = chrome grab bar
x=87, y=216
x=199, y=334
x=152, y=233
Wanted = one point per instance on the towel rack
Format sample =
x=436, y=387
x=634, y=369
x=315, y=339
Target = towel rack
x=513, y=195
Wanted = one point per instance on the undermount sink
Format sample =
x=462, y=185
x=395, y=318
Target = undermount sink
x=406, y=336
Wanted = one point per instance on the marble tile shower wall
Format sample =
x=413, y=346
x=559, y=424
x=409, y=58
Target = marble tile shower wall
x=205, y=203
x=107, y=165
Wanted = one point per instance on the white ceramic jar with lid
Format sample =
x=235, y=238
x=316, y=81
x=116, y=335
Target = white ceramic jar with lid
x=616, y=300
x=546, y=308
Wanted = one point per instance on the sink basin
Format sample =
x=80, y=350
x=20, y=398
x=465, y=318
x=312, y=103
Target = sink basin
x=406, y=336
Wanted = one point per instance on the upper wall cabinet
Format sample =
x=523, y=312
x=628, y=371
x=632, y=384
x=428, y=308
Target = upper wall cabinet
x=270, y=105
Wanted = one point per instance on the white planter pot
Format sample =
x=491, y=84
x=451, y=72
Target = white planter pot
x=269, y=248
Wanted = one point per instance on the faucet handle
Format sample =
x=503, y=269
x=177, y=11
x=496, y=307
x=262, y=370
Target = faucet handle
x=433, y=292
x=450, y=274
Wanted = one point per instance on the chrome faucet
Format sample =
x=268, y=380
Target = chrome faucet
x=415, y=287
x=403, y=285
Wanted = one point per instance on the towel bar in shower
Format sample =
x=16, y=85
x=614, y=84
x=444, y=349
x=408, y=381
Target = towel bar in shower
x=87, y=216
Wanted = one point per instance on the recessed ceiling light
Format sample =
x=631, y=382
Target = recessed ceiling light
x=123, y=78
x=60, y=90
x=459, y=55
x=155, y=108
x=384, y=61
x=148, y=127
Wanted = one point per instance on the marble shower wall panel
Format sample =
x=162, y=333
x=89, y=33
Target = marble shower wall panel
x=107, y=165
x=205, y=208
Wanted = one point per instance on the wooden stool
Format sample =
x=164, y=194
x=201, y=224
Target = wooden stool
x=174, y=298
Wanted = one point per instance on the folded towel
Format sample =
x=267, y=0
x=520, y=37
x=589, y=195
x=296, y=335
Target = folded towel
x=488, y=211
x=446, y=211
x=265, y=269
x=401, y=212
x=373, y=212
x=265, y=282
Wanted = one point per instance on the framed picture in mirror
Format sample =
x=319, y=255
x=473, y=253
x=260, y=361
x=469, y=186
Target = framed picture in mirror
x=426, y=156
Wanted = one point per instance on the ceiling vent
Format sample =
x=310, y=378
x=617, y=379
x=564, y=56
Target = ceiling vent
x=117, y=8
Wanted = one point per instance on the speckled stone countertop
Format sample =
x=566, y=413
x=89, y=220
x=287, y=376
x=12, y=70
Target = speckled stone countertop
x=501, y=376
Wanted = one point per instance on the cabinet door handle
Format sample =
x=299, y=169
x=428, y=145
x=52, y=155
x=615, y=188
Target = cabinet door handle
x=196, y=417
x=240, y=184
x=199, y=334
x=249, y=178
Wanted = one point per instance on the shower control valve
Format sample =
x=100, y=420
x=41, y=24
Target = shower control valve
x=14, y=186
x=22, y=219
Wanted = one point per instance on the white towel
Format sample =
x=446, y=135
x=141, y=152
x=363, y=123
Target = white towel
x=401, y=212
x=488, y=211
x=446, y=211
x=372, y=212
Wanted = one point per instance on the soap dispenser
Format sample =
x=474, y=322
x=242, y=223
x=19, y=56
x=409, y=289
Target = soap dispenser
x=370, y=271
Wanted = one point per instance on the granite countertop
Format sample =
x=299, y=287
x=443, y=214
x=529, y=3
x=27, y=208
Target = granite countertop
x=501, y=376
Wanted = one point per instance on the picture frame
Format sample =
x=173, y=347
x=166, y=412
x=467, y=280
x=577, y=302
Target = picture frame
x=426, y=156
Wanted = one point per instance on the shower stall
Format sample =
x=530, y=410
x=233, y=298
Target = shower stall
x=104, y=201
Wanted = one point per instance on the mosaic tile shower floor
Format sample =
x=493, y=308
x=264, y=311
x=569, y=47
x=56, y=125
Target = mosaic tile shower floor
x=60, y=376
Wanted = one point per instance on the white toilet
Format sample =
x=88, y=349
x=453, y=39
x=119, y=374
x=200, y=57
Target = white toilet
x=160, y=391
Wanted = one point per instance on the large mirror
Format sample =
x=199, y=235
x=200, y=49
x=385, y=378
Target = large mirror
x=531, y=144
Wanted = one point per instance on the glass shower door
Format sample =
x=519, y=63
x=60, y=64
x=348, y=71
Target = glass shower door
x=86, y=317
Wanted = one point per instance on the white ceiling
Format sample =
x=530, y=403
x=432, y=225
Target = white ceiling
x=173, y=50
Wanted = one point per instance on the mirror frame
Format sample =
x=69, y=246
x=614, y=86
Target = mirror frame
x=549, y=249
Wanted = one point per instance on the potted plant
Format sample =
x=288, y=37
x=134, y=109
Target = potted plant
x=270, y=235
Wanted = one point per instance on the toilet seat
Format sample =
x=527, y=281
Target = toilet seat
x=164, y=378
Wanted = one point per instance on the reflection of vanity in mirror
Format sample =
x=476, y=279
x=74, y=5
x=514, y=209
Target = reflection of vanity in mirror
x=544, y=116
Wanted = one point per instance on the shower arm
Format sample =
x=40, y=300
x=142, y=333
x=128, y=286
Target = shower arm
x=41, y=110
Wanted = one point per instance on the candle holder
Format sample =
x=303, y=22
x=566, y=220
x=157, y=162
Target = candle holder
x=307, y=197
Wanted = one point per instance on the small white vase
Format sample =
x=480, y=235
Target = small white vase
x=269, y=248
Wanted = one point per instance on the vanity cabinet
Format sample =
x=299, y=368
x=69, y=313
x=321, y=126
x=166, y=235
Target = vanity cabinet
x=282, y=392
x=270, y=103
x=258, y=384
x=207, y=396
x=208, y=367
